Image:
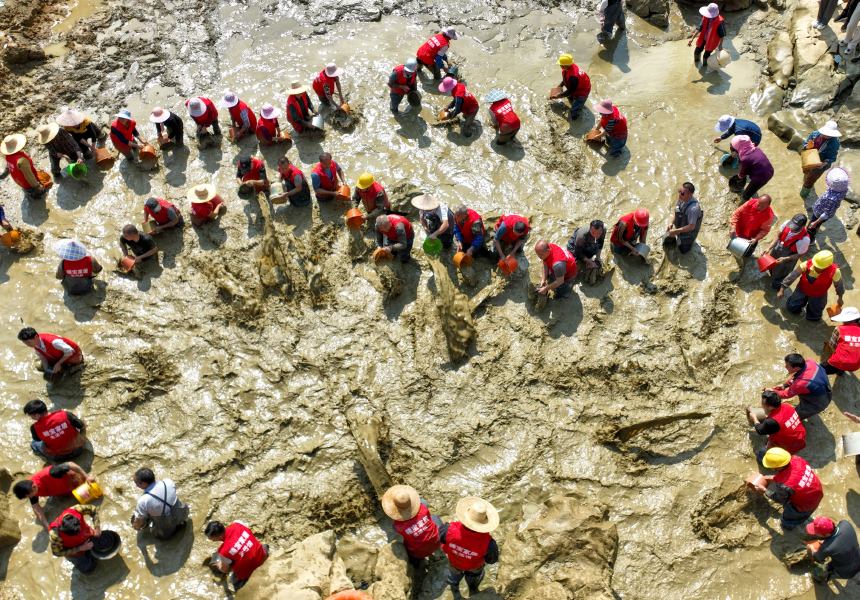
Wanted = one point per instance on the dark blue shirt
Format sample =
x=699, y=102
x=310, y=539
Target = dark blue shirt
x=742, y=127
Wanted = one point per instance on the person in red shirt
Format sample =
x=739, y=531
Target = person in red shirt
x=21, y=168
x=325, y=83
x=558, y=264
x=395, y=234
x=240, y=551
x=205, y=115
x=752, y=221
x=512, y=230
x=781, y=425
x=165, y=214
x=240, y=115
x=412, y=520
x=55, y=351
x=434, y=52
x=463, y=102
x=206, y=204
x=58, y=480
x=795, y=485
x=58, y=435
x=468, y=543
x=252, y=172
x=124, y=134
x=809, y=383
x=502, y=115
x=709, y=34
x=614, y=126
x=845, y=343
x=77, y=269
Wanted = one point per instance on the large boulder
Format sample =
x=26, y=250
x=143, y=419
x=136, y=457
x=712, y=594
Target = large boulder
x=848, y=117
x=808, y=51
x=10, y=533
x=792, y=126
x=818, y=86
x=780, y=58
x=767, y=100
x=565, y=550
x=393, y=574
x=655, y=12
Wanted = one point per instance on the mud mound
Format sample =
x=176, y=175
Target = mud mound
x=345, y=123
x=728, y=515
x=455, y=313
x=31, y=239
x=558, y=150
x=720, y=312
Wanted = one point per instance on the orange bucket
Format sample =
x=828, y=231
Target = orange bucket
x=342, y=193
x=345, y=107
x=103, y=158
x=593, y=135
x=127, y=263
x=10, y=239
x=349, y=595
x=757, y=479
x=833, y=310
x=814, y=545
x=443, y=115
x=164, y=143
x=462, y=260
x=381, y=256
x=504, y=267
x=554, y=91
x=512, y=264
x=147, y=153
x=45, y=178
x=285, y=136
x=354, y=218
x=766, y=263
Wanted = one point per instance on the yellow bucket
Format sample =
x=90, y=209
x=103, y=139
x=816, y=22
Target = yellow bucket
x=87, y=492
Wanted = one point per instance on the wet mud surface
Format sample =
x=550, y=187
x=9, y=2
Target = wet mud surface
x=280, y=378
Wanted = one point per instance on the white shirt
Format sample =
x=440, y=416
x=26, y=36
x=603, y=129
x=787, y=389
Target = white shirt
x=59, y=345
x=149, y=506
x=802, y=245
x=441, y=212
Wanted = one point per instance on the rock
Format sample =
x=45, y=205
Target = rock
x=10, y=533
x=848, y=117
x=807, y=53
x=850, y=161
x=22, y=51
x=780, y=58
x=393, y=573
x=654, y=11
x=733, y=5
x=792, y=126
x=818, y=86
x=768, y=100
x=358, y=557
x=566, y=550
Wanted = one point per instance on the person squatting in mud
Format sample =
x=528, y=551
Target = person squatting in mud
x=809, y=383
x=394, y=234
x=58, y=435
x=53, y=350
x=240, y=553
x=795, y=486
x=56, y=480
x=158, y=509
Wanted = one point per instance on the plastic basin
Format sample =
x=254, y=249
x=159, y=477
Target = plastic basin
x=766, y=263
x=432, y=246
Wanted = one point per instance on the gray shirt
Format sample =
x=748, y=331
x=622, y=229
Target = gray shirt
x=152, y=502
x=692, y=211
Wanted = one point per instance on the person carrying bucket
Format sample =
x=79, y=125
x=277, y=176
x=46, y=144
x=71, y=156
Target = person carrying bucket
x=468, y=230
x=782, y=426
x=754, y=164
x=268, y=126
x=711, y=32
x=21, y=167
x=241, y=116
x=326, y=82
x=686, y=222
x=240, y=551
x=436, y=219
x=295, y=185
x=828, y=203
x=324, y=178
x=59, y=144
x=206, y=204
x=826, y=141
x=141, y=245
x=168, y=125
x=752, y=221
x=558, y=264
x=435, y=47
x=502, y=115
x=372, y=195
x=787, y=247
x=395, y=234
x=300, y=109
x=512, y=230
x=463, y=101
x=630, y=230
x=53, y=350
x=77, y=268
x=57, y=480
x=839, y=544
x=413, y=521
x=165, y=214
x=158, y=509
x=252, y=171
x=468, y=544
x=575, y=84
x=816, y=276
x=124, y=134
x=85, y=133
x=71, y=537
x=586, y=243
x=795, y=486
x=204, y=114
x=808, y=382
x=614, y=126
x=402, y=81
x=845, y=343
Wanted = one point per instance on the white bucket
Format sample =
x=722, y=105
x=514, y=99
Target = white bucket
x=851, y=444
x=643, y=249
x=738, y=247
x=317, y=121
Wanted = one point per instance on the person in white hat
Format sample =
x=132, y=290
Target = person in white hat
x=728, y=126
x=268, y=127
x=826, y=141
x=828, y=203
x=300, y=109
x=436, y=218
x=403, y=80
x=59, y=144
x=85, y=132
x=168, y=125
x=468, y=543
x=206, y=204
x=325, y=83
x=710, y=32
x=124, y=134
x=845, y=343
x=463, y=101
x=21, y=167
x=241, y=117
x=610, y=13
x=436, y=46
x=502, y=115
x=412, y=520
x=204, y=113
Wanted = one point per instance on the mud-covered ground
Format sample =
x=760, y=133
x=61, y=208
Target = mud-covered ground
x=244, y=364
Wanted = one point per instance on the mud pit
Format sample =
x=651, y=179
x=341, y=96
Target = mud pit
x=248, y=363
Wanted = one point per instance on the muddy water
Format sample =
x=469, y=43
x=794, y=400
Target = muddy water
x=239, y=380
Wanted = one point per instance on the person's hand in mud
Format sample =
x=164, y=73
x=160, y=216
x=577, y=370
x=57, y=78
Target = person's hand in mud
x=86, y=546
x=542, y=290
x=591, y=264
x=469, y=251
x=854, y=418
x=780, y=293
x=751, y=415
x=5, y=224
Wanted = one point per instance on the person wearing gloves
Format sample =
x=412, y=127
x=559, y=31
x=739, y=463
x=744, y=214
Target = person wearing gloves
x=752, y=221
x=795, y=486
x=791, y=243
x=614, y=126
x=434, y=48
x=240, y=115
x=816, y=276
x=325, y=83
x=124, y=134
x=371, y=194
x=168, y=125
x=463, y=102
x=754, y=164
x=826, y=141
x=300, y=109
x=403, y=79
x=268, y=128
x=728, y=126
x=610, y=13
x=828, y=203
x=576, y=85
x=710, y=32
x=502, y=115
x=845, y=343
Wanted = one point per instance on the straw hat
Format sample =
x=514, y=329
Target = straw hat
x=13, y=143
x=401, y=502
x=478, y=515
x=230, y=100
x=830, y=130
x=70, y=118
x=838, y=179
x=297, y=88
x=448, y=84
x=270, y=112
x=332, y=70
x=196, y=108
x=45, y=133
x=604, y=107
x=849, y=313
x=201, y=193
x=495, y=96
x=425, y=202
x=124, y=114
x=711, y=11
x=159, y=115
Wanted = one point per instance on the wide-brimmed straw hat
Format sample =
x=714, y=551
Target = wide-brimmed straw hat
x=45, y=133
x=425, y=202
x=201, y=193
x=13, y=143
x=196, y=108
x=70, y=118
x=495, y=96
x=159, y=115
x=230, y=100
x=332, y=70
x=270, y=112
x=448, y=84
x=837, y=179
x=401, y=502
x=849, y=313
x=830, y=129
x=297, y=88
x=604, y=107
x=477, y=514
x=712, y=11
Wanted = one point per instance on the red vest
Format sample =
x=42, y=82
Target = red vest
x=368, y=196
x=791, y=435
x=50, y=353
x=243, y=549
x=470, y=105
x=509, y=221
x=800, y=477
x=270, y=125
x=211, y=114
x=15, y=172
x=584, y=87
x=78, y=268
x=789, y=240
x=254, y=174
x=713, y=39
x=73, y=541
x=395, y=220
x=466, y=227
x=322, y=80
x=620, y=129
x=291, y=173
x=559, y=254
x=846, y=355
x=752, y=219
x=300, y=101
x=327, y=183
x=822, y=282
x=465, y=548
x=127, y=131
x=161, y=217
x=58, y=433
x=404, y=78
x=631, y=230
x=505, y=115
x=236, y=115
x=420, y=534
x=427, y=53
x=49, y=486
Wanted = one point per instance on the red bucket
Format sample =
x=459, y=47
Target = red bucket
x=766, y=263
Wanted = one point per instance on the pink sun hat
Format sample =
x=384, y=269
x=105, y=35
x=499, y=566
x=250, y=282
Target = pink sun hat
x=448, y=84
x=604, y=107
x=332, y=70
x=270, y=112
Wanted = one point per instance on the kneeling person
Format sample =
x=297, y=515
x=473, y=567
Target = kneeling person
x=77, y=267
x=71, y=536
x=58, y=480
x=782, y=425
x=142, y=245
x=395, y=234
x=240, y=551
x=164, y=213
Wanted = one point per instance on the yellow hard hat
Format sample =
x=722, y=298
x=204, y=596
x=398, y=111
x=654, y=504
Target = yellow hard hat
x=823, y=259
x=776, y=457
x=565, y=60
x=365, y=181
